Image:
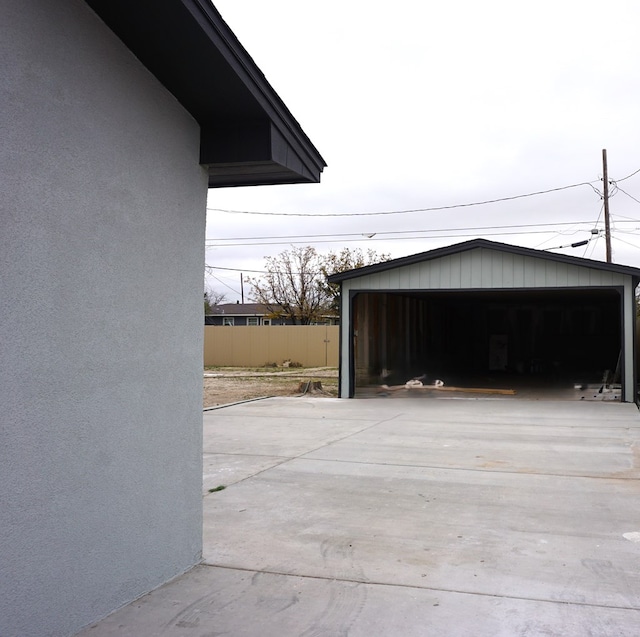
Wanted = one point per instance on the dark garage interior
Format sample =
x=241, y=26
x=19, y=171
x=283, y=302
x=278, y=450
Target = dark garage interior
x=509, y=338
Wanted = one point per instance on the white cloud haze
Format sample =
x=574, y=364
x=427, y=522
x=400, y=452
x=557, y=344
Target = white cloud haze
x=418, y=105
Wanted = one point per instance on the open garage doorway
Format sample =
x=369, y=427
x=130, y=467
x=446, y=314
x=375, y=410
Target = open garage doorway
x=542, y=339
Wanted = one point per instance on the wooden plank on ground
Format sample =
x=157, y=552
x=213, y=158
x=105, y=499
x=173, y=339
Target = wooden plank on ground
x=468, y=390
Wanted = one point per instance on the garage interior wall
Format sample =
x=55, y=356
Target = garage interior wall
x=562, y=336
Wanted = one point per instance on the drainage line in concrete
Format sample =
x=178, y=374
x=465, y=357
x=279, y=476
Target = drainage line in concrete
x=422, y=588
x=239, y=402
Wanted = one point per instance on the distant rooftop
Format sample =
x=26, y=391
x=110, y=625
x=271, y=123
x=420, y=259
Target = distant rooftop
x=239, y=309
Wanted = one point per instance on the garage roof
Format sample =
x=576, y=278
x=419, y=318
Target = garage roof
x=481, y=243
x=248, y=135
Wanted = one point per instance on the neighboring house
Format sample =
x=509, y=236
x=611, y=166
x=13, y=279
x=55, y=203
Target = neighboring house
x=483, y=308
x=237, y=314
x=243, y=314
x=116, y=118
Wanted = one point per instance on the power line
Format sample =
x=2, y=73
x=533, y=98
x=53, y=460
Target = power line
x=563, y=233
x=593, y=249
x=208, y=268
x=595, y=225
x=627, y=243
x=368, y=239
x=626, y=219
x=628, y=195
x=402, y=212
x=576, y=244
x=369, y=235
x=591, y=242
x=434, y=234
x=217, y=267
x=635, y=172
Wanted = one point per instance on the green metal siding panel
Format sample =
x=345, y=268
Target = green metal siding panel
x=485, y=269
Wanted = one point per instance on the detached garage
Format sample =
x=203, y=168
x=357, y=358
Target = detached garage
x=486, y=312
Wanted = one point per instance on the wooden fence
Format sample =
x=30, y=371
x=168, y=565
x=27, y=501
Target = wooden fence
x=255, y=346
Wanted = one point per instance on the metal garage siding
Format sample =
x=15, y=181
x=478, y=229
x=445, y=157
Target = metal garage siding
x=485, y=269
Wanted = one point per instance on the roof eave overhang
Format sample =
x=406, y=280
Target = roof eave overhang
x=252, y=153
x=248, y=135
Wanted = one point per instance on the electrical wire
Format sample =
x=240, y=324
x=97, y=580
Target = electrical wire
x=590, y=242
x=627, y=243
x=576, y=244
x=635, y=172
x=595, y=225
x=369, y=239
x=219, y=267
x=625, y=219
x=213, y=276
x=593, y=249
x=559, y=234
x=370, y=235
x=402, y=212
x=628, y=195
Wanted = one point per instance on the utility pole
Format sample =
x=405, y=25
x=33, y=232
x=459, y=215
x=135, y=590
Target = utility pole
x=607, y=226
x=242, y=288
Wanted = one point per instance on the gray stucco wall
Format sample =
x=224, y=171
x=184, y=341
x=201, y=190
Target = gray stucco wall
x=102, y=214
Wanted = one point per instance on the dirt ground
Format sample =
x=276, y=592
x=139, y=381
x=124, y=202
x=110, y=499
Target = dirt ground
x=224, y=385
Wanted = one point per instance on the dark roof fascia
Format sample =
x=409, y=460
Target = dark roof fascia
x=248, y=135
x=474, y=244
x=280, y=116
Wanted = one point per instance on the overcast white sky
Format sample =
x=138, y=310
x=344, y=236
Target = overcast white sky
x=425, y=104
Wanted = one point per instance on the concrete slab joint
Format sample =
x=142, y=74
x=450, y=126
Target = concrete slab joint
x=412, y=517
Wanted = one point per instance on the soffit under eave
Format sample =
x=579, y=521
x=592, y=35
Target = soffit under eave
x=253, y=153
x=193, y=53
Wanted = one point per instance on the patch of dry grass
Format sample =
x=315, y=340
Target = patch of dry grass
x=228, y=385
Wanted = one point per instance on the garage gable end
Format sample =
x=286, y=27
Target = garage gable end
x=557, y=318
x=481, y=263
x=487, y=268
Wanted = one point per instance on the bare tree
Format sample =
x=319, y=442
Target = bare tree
x=346, y=259
x=293, y=286
x=212, y=298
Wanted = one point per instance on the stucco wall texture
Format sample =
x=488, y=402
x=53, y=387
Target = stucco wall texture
x=101, y=259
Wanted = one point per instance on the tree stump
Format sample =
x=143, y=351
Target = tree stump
x=310, y=386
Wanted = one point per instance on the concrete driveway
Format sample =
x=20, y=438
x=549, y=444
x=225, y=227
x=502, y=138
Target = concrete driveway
x=410, y=517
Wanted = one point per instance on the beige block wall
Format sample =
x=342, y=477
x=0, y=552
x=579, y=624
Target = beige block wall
x=255, y=346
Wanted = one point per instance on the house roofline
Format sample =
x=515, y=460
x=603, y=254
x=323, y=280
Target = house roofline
x=255, y=78
x=248, y=135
